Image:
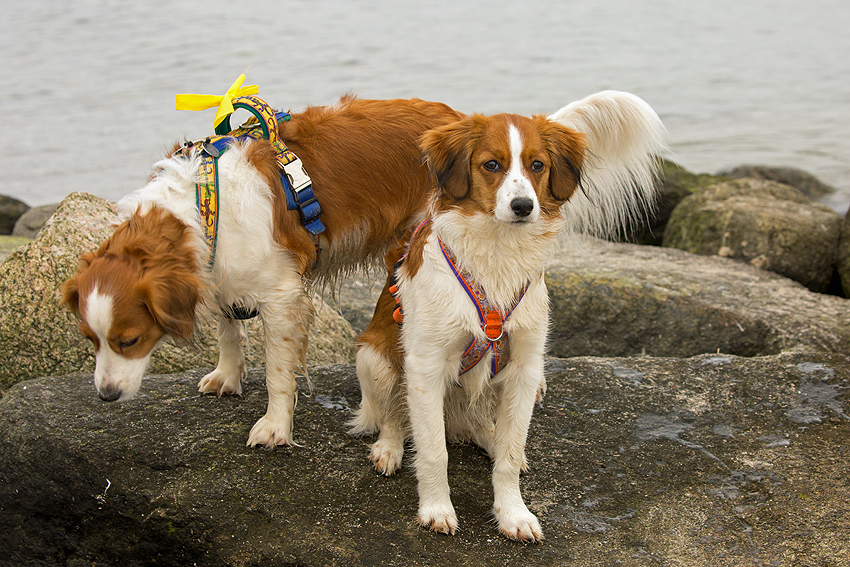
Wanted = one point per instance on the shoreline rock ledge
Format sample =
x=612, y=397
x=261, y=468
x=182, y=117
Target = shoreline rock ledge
x=712, y=460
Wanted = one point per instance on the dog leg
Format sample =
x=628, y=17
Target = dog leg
x=227, y=376
x=379, y=371
x=380, y=407
x=425, y=397
x=518, y=387
x=286, y=322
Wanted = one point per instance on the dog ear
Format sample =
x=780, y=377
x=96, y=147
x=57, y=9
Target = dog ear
x=71, y=287
x=447, y=151
x=171, y=301
x=566, y=148
x=71, y=295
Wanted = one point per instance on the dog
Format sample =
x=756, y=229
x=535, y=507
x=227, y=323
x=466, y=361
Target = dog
x=151, y=279
x=467, y=361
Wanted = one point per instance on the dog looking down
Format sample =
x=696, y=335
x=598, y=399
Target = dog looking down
x=150, y=279
x=467, y=362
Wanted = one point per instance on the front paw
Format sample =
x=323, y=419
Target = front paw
x=270, y=433
x=387, y=456
x=440, y=518
x=219, y=382
x=519, y=525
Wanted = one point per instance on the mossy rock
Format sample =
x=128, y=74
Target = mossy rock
x=767, y=224
x=675, y=183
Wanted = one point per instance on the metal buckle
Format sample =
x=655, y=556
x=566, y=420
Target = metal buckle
x=298, y=178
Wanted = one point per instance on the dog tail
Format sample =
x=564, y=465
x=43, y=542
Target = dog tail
x=626, y=140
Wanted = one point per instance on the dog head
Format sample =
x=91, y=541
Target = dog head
x=129, y=294
x=513, y=168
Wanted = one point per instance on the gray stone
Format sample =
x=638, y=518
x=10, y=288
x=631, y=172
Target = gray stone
x=33, y=220
x=801, y=180
x=11, y=210
x=613, y=299
x=709, y=461
x=764, y=223
x=38, y=337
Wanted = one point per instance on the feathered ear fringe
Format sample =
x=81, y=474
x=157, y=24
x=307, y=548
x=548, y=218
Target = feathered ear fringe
x=447, y=151
x=626, y=140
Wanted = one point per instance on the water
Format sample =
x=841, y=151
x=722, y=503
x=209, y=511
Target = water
x=87, y=87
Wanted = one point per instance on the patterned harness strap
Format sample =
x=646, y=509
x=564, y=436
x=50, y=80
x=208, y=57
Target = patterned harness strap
x=492, y=320
x=297, y=186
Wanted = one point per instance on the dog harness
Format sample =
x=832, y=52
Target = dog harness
x=297, y=185
x=492, y=320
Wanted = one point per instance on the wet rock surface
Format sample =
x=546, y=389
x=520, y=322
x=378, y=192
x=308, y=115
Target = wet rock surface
x=712, y=460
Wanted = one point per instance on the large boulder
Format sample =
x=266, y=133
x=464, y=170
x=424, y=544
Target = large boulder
x=38, y=337
x=11, y=210
x=767, y=224
x=708, y=461
x=614, y=299
x=32, y=221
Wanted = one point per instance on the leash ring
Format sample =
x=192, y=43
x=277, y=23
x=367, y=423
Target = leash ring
x=501, y=334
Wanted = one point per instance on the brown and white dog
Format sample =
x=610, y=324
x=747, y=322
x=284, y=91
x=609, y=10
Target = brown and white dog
x=149, y=280
x=503, y=195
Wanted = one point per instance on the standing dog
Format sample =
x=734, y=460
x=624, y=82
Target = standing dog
x=468, y=363
x=149, y=279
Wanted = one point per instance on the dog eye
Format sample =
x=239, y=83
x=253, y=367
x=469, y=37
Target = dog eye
x=128, y=343
x=537, y=166
x=492, y=165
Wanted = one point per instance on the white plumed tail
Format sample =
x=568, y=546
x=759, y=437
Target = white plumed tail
x=625, y=141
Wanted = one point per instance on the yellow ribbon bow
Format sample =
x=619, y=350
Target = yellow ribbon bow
x=224, y=103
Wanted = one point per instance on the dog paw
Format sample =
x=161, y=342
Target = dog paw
x=440, y=518
x=387, y=457
x=217, y=383
x=269, y=433
x=520, y=526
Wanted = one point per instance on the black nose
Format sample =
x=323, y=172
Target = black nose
x=109, y=394
x=522, y=206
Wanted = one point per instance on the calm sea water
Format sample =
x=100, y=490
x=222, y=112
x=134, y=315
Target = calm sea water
x=87, y=87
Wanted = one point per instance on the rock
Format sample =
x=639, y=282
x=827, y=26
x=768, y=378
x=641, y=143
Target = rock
x=33, y=220
x=610, y=299
x=675, y=183
x=801, y=180
x=40, y=338
x=709, y=461
x=767, y=224
x=843, y=258
x=9, y=244
x=11, y=210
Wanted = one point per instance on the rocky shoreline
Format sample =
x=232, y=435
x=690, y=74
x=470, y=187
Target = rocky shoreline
x=697, y=412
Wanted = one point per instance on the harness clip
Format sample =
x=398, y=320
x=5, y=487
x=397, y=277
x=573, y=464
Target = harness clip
x=298, y=178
